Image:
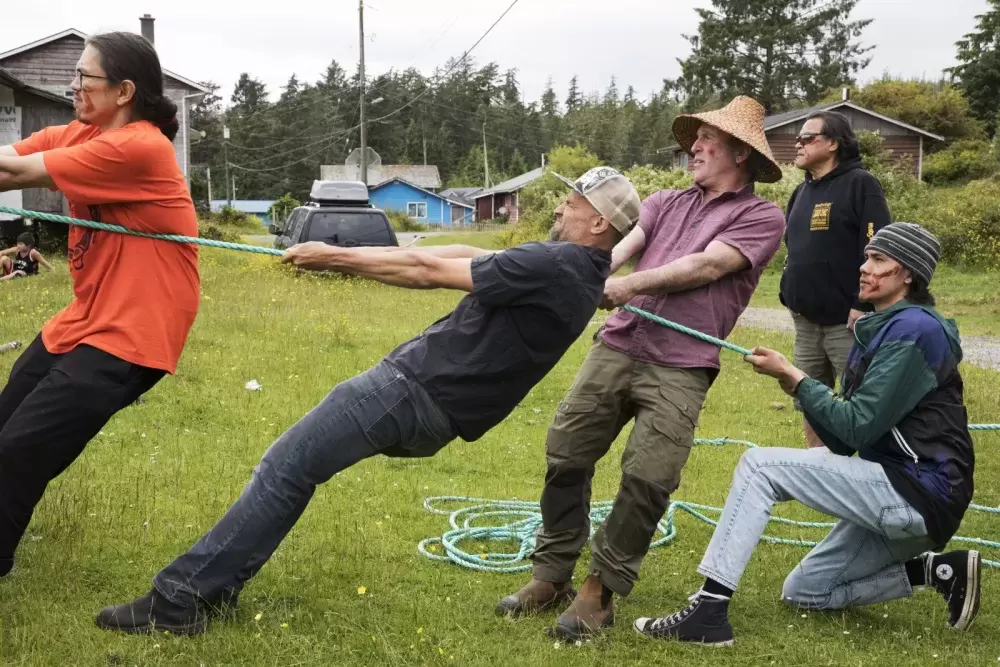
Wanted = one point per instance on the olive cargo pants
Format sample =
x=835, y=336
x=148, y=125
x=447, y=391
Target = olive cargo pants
x=609, y=391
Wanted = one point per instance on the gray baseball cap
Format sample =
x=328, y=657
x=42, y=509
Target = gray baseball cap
x=608, y=191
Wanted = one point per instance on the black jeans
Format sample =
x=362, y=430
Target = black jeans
x=52, y=406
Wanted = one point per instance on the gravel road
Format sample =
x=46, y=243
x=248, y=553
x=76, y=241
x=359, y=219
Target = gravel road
x=982, y=351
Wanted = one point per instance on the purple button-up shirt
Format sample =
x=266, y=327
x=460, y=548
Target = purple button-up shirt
x=679, y=223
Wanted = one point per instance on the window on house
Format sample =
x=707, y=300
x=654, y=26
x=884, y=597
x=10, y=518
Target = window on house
x=416, y=209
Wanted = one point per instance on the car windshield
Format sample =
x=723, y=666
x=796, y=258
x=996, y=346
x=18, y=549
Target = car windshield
x=341, y=226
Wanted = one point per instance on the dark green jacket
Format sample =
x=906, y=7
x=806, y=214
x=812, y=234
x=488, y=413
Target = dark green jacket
x=901, y=405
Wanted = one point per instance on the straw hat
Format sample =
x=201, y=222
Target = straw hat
x=743, y=118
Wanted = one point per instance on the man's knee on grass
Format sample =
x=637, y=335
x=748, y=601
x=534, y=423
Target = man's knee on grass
x=802, y=592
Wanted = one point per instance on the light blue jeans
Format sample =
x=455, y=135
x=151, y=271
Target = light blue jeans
x=381, y=411
x=860, y=562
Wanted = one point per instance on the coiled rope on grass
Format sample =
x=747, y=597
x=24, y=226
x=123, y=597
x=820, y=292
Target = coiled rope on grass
x=513, y=521
x=523, y=518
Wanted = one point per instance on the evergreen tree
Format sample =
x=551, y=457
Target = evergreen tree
x=573, y=98
x=978, y=69
x=783, y=53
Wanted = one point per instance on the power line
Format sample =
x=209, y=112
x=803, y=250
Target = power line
x=402, y=107
x=454, y=65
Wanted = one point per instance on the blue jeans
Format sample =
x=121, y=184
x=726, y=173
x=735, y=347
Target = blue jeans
x=381, y=411
x=862, y=559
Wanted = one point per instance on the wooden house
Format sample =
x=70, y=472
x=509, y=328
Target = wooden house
x=503, y=200
x=903, y=141
x=25, y=109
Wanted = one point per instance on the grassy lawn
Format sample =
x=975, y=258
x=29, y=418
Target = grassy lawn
x=972, y=298
x=485, y=240
x=162, y=472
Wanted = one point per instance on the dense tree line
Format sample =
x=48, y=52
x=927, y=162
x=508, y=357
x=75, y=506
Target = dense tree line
x=277, y=147
x=785, y=53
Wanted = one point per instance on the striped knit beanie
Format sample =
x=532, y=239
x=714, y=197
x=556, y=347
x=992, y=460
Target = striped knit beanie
x=909, y=244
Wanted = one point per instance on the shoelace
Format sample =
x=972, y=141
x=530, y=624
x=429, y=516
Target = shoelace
x=679, y=616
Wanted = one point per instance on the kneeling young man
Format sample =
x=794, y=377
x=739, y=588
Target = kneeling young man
x=905, y=494
x=526, y=306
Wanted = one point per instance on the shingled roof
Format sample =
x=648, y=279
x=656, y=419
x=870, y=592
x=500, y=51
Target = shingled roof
x=423, y=176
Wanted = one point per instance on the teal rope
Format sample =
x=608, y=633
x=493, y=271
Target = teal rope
x=242, y=247
x=175, y=238
x=524, y=528
x=690, y=332
x=518, y=521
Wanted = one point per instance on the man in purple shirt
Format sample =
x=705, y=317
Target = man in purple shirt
x=703, y=251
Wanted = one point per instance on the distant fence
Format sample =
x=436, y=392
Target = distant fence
x=471, y=227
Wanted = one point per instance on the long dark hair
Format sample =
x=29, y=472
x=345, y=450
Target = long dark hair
x=920, y=292
x=127, y=56
x=837, y=128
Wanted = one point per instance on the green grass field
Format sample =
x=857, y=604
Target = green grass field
x=161, y=473
x=972, y=298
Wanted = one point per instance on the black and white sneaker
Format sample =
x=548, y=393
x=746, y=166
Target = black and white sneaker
x=705, y=622
x=955, y=575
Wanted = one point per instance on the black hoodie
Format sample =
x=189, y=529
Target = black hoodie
x=830, y=221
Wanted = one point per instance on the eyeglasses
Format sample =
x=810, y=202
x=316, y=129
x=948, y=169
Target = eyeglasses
x=807, y=138
x=81, y=75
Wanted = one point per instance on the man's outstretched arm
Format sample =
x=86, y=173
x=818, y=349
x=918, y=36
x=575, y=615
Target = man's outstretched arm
x=403, y=268
x=454, y=251
x=18, y=172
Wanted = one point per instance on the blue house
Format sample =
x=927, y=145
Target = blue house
x=257, y=207
x=398, y=194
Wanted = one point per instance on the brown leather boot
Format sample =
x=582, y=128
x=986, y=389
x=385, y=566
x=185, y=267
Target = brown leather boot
x=537, y=596
x=592, y=611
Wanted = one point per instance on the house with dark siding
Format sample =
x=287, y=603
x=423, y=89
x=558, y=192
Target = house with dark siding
x=25, y=109
x=903, y=141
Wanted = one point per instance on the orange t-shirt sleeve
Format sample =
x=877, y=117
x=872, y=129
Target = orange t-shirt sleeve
x=112, y=169
x=43, y=140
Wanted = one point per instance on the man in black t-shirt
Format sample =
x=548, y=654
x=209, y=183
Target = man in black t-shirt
x=463, y=375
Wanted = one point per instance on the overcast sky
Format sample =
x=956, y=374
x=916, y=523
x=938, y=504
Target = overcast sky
x=638, y=41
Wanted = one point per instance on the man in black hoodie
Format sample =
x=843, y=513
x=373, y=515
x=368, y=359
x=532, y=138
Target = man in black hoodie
x=831, y=216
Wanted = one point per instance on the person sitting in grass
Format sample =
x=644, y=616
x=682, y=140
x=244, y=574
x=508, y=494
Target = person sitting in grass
x=905, y=493
x=525, y=307
x=22, y=260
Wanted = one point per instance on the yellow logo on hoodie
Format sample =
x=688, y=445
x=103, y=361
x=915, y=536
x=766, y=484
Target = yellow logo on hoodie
x=820, y=218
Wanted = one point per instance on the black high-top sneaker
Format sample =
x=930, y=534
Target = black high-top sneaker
x=955, y=575
x=705, y=622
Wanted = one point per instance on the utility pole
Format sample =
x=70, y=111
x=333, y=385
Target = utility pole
x=225, y=148
x=543, y=160
x=209, y=170
x=361, y=80
x=234, y=186
x=486, y=162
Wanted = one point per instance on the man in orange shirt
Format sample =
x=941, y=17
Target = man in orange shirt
x=135, y=298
